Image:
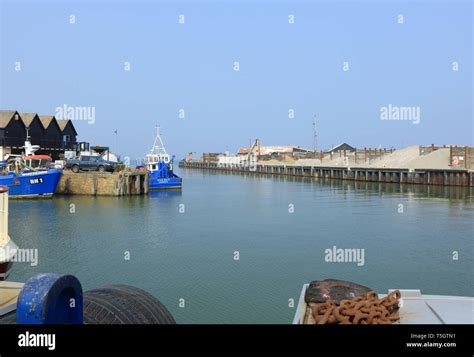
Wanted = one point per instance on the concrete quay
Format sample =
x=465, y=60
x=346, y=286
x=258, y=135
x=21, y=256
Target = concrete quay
x=442, y=177
x=103, y=184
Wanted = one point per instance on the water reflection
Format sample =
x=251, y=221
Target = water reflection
x=358, y=187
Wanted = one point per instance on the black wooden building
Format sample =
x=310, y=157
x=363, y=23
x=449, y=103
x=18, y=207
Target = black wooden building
x=12, y=129
x=52, y=132
x=53, y=136
x=68, y=134
x=33, y=126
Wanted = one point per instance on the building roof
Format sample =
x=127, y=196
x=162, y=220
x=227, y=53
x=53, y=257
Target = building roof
x=27, y=118
x=265, y=150
x=64, y=122
x=46, y=120
x=342, y=146
x=6, y=116
x=243, y=151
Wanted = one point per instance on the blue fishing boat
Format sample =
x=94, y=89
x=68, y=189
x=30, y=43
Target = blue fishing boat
x=29, y=175
x=160, y=167
x=31, y=184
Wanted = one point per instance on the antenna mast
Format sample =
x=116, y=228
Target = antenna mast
x=314, y=134
x=158, y=146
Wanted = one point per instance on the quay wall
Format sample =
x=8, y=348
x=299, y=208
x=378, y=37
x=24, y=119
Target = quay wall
x=451, y=177
x=103, y=184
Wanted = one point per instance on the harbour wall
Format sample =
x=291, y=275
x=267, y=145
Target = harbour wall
x=451, y=177
x=103, y=184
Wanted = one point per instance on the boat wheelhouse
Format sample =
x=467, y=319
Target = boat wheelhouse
x=37, y=162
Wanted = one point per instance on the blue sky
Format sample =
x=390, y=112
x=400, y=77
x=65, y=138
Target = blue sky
x=282, y=66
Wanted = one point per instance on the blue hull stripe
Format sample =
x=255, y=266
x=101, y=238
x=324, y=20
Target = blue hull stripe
x=164, y=182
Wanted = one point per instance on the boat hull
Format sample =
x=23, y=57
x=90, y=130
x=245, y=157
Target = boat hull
x=5, y=268
x=32, y=184
x=161, y=183
x=7, y=254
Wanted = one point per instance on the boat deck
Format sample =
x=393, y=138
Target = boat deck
x=415, y=308
x=8, y=296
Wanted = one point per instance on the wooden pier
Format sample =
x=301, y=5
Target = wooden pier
x=451, y=177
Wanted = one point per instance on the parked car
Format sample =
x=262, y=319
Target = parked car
x=90, y=163
x=58, y=164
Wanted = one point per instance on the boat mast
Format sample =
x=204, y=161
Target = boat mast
x=315, y=147
x=158, y=150
x=158, y=146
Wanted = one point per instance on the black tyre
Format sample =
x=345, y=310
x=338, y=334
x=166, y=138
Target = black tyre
x=122, y=304
x=101, y=169
x=75, y=169
x=8, y=319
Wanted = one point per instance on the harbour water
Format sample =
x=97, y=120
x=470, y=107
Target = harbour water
x=182, y=246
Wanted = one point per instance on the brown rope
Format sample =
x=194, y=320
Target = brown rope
x=359, y=310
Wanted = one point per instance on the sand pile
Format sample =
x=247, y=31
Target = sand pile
x=409, y=158
x=438, y=159
x=397, y=159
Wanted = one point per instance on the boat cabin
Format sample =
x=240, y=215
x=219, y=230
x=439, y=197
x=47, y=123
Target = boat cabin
x=37, y=161
x=153, y=161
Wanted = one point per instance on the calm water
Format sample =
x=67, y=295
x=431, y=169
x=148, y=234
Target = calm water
x=190, y=255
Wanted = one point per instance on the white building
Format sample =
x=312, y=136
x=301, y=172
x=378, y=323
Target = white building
x=232, y=161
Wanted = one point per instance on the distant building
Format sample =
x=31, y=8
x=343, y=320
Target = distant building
x=243, y=151
x=233, y=160
x=272, y=150
x=342, y=147
x=212, y=156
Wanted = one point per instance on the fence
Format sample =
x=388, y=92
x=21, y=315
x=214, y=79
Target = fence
x=357, y=156
x=425, y=150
